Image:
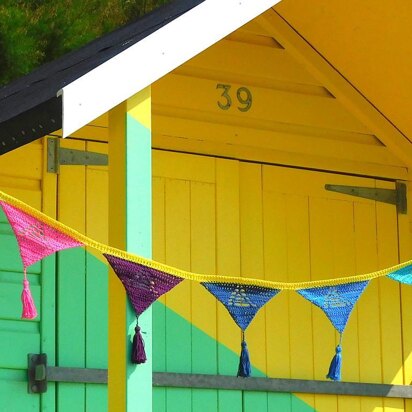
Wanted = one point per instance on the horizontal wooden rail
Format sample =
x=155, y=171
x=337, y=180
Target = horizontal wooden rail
x=182, y=380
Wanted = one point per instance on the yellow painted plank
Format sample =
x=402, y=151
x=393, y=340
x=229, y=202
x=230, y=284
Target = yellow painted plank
x=97, y=198
x=322, y=252
x=182, y=167
x=24, y=162
x=117, y=295
x=300, y=311
x=252, y=263
x=277, y=157
x=177, y=233
x=369, y=332
x=267, y=103
x=273, y=135
x=203, y=254
x=389, y=296
x=276, y=264
x=228, y=247
x=88, y=132
x=252, y=60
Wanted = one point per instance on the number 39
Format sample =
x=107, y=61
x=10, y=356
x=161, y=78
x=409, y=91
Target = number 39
x=243, y=95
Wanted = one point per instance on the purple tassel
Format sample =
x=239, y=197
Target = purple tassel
x=336, y=365
x=138, y=353
x=244, y=370
x=29, y=308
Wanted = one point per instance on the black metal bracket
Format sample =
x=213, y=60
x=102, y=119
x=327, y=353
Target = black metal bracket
x=395, y=197
x=200, y=381
x=58, y=156
x=39, y=374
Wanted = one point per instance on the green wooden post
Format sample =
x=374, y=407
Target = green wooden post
x=139, y=234
x=130, y=205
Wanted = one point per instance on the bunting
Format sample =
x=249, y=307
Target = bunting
x=144, y=285
x=337, y=303
x=36, y=240
x=145, y=280
x=403, y=275
x=242, y=302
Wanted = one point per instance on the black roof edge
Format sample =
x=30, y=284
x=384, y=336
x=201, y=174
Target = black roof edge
x=31, y=100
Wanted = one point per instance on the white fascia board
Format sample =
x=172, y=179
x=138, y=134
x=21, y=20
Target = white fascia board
x=140, y=65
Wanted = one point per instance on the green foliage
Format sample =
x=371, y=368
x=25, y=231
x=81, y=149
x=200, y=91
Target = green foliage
x=33, y=32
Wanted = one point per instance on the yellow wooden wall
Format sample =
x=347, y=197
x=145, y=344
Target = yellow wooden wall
x=252, y=183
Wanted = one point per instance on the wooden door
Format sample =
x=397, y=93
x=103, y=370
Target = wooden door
x=20, y=176
x=245, y=219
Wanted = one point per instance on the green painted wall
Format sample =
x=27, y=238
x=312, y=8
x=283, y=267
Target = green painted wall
x=71, y=327
x=172, y=353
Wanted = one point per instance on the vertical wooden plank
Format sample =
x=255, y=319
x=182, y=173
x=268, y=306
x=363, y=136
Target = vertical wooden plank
x=389, y=298
x=405, y=253
x=130, y=229
x=138, y=181
x=117, y=296
x=368, y=306
x=179, y=335
x=323, y=256
x=251, y=243
x=48, y=282
x=228, y=262
x=299, y=310
x=277, y=311
x=71, y=317
x=96, y=279
x=159, y=309
x=203, y=258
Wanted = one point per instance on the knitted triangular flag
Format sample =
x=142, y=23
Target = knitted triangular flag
x=36, y=240
x=337, y=302
x=143, y=285
x=242, y=302
x=403, y=275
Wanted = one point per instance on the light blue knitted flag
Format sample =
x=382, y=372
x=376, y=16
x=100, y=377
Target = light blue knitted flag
x=336, y=301
x=403, y=275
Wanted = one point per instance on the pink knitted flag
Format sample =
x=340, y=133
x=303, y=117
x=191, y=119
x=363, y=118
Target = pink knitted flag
x=36, y=240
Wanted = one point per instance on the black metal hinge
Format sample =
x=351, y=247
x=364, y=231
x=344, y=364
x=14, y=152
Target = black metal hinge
x=58, y=156
x=395, y=196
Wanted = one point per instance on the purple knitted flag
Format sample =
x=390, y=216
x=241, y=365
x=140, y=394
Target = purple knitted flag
x=143, y=284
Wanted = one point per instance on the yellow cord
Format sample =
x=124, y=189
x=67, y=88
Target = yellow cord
x=197, y=277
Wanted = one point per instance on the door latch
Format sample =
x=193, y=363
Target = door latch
x=39, y=374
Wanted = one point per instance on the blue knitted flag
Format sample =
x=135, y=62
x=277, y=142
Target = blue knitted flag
x=336, y=301
x=242, y=301
x=403, y=275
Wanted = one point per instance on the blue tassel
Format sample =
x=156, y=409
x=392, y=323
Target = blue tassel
x=244, y=362
x=335, y=365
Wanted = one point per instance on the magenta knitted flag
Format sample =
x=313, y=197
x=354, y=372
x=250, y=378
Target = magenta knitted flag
x=36, y=239
x=143, y=284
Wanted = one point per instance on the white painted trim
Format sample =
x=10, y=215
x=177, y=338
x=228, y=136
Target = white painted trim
x=151, y=58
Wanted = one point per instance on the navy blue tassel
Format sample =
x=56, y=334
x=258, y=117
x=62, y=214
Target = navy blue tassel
x=244, y=362
x=335, y=365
